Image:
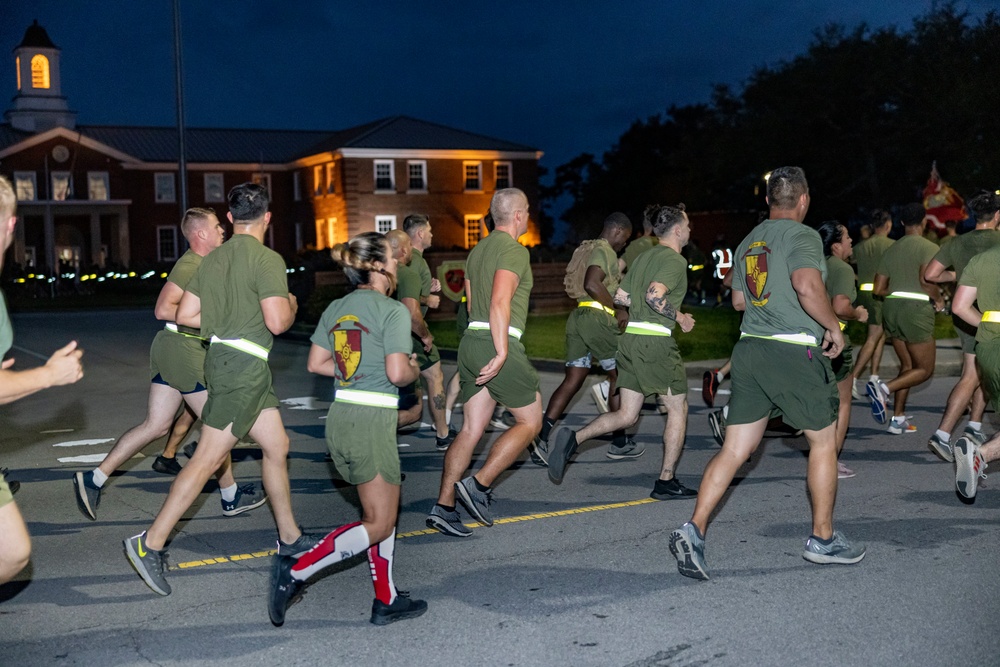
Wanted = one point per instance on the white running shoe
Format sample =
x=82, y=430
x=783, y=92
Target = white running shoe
x=600, y=392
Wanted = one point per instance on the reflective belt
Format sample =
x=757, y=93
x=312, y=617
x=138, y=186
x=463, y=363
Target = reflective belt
x=916, y=296
x=485, y=326
x=647, y=329
x=596, y=304
x=695, y=267
x=463, y=298
x=866, y=287
x=243, y=345
x=170, y=326
x=798, y=339
x=991, y=316
x=843, y=325
x=373, y=398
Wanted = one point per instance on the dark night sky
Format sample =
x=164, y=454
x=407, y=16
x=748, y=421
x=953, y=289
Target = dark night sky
x=566, y=77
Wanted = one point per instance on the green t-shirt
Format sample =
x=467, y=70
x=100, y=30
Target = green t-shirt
x=867, y=255
x=983, y=273
x=407, y=283
x=763, y=264
x=498, y=251
x=840, y=279
x=181, y=275
x=360, y=330
x=901, y=263
x=419, y=264
x=231, y=282
x=6, y=329
x=636, y=248
x=662, y=264
x=604, y=257
x=963, y=248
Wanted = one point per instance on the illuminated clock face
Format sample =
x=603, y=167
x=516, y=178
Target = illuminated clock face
x=60, y=153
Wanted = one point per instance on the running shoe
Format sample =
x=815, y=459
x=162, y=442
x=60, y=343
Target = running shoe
x=976, y=435
x=499, y=421
x=562, y=445
x=630, y=450
x=149, y=563
x=969, y=467
x=710, y=385
x=189, y=449
x=247, y=498
x=843, y=472
x=941, y=447
x=447, y=522
x=717, y=422
x=900, y=427
x=666, y=489
x=300, y=546
x=854, y=390
x=838, y=551
x=538, y=450
x=401, y=609
x=476, y=502
x=88, y=494
x=688, y=547
x=444, y=443
x=283, y=588
x=877, y=399
x=599, y=392
x=12, y=484
x=166, y=466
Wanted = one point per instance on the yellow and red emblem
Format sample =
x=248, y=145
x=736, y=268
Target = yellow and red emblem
x=756, y=273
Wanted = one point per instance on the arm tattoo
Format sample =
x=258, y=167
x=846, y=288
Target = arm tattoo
x=622, y=298
x=659, y=303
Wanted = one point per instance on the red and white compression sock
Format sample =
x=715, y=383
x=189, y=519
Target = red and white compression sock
x=339, y=545
x=380, y=559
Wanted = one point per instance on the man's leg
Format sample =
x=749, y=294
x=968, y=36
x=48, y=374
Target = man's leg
x=821, y=478
x=269, y=432
x=573, y=380
x=509, y=446
x=673, y=433
x=180, y=429
x=478, y=411
x=434, y=379
x=958, y=400
x=160, y=412
x=625, y=416
x=15, y=547
x=451, y=397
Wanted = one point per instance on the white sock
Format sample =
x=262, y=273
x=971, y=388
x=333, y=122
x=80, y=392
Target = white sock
x=873, y=378
x=944, y=436
x=975, y=426
x=339, y=545
x=99, y=478
x=229, y=493
x=720, y=376
x=899, y=419
x=447, y=417
x=725, y=410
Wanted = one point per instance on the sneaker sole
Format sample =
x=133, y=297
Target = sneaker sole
x=683, y=551
x=81, y=497
x=138, y=566
x=827, y=559
x=245, y=508
x=538, y=457
x=630, y=455
x=600, y=400
x=442, y=526
x=463, y=495
x=877, y=406
x=400, y=616
x=966, y=479
x=713, y=423
x=559, y=454
x=707, y=395
x=942, y=453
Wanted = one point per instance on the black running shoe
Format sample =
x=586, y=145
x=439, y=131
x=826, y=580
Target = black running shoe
x=401, y=609
x=444, y=443
x=671, y=488
x=283, y=588
x=166, y=466
x=88, y=495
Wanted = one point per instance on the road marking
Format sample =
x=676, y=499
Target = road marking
x=430, y=531
x=81, y=443
x=53, y=431
x=86, y=458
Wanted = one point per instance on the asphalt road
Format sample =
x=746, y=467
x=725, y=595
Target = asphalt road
x=557, y=587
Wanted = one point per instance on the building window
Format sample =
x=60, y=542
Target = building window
x=97, y=186
x=473, y=175
x=262, y=179
x=166, y=243
x=40, y=71
x=296, y=186
x=473, y=230
x=318, y=180
x=166, y=190
x=385, y=179
x=331, y=182
x=62, y=185
x=503, y=172
x=215, y=188
x=26, y=185
x=385, y=223
x=417, y=170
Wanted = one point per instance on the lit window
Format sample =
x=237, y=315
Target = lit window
x=385, y=223
x=318, y=180
x=384, y=177
x=262, y=179
x=473, y=230
x=321, y=237
x=336, y=233
x=503, y=175
x=166, y=243
x=215, y=188
x=26, y=185
x=62, y=185
x=417, y=170
x=473, y=175
x=331, y=183
x=166, y=190
x=97, y=186
x=39, y=71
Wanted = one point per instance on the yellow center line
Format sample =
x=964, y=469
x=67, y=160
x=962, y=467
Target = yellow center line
x=430, y=531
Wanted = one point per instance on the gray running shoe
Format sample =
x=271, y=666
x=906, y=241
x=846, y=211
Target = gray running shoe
x=247, y=498
x=447, y=522
x=941, y=448
x=630, y=450
x=475, y=501
x=538, y=449
x=88, y=494
x=562, y=446
x=978, y=436
x=300, y=546
x=149, y=563
x=838, y=551
x=969, y=467
x=688, y=547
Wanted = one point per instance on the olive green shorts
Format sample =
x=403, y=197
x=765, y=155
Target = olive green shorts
x=651, y=365
x=843, y=364
x=909, y=320
x=6, y=496
x=179, y=361
x=425, y=359
x=873, y=304
x=592, y=333
x=988, y=358
x=362, y=442
x=966, y=335
x=514, y=386
x=239, y=388
x=461, y=319
x=772, y=378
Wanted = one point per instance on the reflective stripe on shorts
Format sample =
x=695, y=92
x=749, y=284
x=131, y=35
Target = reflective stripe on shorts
x=916, y=296
x=485, y=326
x=243, y=345
x=647, y=329
x=172, y=327
x=596, y=304
x=797, y=339
x=374, y=399
x=867, y=287
x=991, y=316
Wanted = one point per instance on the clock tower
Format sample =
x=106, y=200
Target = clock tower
x=39, y=104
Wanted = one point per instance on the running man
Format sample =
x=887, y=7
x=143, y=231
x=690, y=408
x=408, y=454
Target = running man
x=867, y=255
x=363, y=341
x=782, y=364
x=908, y=316
x=593, y=328
x=177, y=372
x=239, y=299
x=493, y=365
x=649, y=362
x=62, y=368
x=985, y=209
